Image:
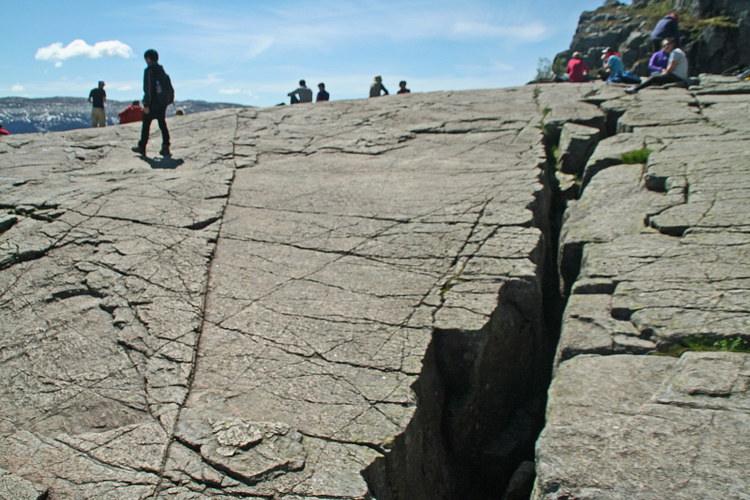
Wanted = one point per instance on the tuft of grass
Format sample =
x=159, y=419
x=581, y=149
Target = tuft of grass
x=718, y=22
x=701, y=343
x=636, y=156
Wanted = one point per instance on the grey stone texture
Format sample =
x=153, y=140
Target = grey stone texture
x=653, y=254
x=248, y=317
x=353, y=300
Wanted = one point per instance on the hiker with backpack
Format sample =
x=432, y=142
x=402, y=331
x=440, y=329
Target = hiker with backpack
x=158, y=94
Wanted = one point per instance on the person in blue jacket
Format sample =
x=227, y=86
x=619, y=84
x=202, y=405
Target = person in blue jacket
x=667, y=27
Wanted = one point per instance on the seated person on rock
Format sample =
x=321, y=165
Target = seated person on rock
x=675, y=72
x=577, y=70
x=612, y=63
x=131, y=114
x=658, y=62
x=615, y=71
x=301, y=94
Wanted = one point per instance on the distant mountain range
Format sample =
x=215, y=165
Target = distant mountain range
x=22, y=116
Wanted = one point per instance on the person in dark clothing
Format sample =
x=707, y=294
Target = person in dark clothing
x=667, y=27
x=153, y=108
x=98, y=97
x=402, y=88
x=322, y=93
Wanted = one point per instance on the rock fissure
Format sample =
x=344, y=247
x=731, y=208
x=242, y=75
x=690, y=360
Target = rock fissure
x=340, y=323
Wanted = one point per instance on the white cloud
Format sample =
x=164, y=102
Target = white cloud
x=258, y=45
x=17, y=88
x=79, y=48
x=528, y=32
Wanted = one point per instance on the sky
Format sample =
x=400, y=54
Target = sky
x=253, y=52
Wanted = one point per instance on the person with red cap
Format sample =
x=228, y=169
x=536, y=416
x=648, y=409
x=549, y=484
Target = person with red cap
x=98, y=97
x=667, y=27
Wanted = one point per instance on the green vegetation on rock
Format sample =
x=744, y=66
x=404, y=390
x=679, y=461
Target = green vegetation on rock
x=701, y=343
x=636, y=156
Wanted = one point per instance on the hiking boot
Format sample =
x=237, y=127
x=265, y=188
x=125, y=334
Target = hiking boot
x=165, y=151
x=631, y=90
x=139, y=149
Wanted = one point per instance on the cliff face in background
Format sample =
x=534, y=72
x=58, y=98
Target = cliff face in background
x=715, y=33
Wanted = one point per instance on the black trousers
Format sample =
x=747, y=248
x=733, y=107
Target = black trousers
x=659, y=79
x=160, y=115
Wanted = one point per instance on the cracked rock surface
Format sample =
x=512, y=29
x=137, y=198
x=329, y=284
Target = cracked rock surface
x=247, y=319
x=661, y=254
x=305, y=291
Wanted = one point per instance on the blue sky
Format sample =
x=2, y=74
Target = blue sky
x=254, y=51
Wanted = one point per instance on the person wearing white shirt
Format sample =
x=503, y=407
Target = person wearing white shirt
x=676, y=70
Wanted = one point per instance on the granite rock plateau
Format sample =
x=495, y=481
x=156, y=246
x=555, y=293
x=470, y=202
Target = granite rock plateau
x=430, y=296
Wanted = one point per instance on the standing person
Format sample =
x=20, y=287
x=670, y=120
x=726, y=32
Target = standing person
x=98, y=97
x=667, y=27
x=402, y=88
x=301, y=94
x=577, y=70
x=322, y=93
x=154, y=87
x=377, y=87
x=133, y=113
x=676, y=71
x=3, y=131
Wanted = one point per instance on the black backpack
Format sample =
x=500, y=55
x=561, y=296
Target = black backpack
x=164, y=89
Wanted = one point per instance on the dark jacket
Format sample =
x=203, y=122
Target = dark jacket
x=98, y=96
x=666, y=28
x=150, y=76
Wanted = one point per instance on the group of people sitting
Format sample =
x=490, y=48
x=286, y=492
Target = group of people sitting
x=668, y=65
x=304, y=94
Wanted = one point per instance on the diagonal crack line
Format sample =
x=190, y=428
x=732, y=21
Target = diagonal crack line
x=459, y=260
x=203, y=323
x=373, y=446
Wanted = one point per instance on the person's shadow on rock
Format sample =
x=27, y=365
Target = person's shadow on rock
x=166, y=162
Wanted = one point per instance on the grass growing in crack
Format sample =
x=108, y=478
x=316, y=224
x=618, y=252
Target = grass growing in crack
x=636, y=156
x=699, y=343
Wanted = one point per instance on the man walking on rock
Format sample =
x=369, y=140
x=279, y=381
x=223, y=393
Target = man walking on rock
x=154, y=105
x=98, y=97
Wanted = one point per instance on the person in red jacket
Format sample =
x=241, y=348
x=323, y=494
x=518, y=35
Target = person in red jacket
x=133, y=113
x=3, y=131
x=578, y=70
